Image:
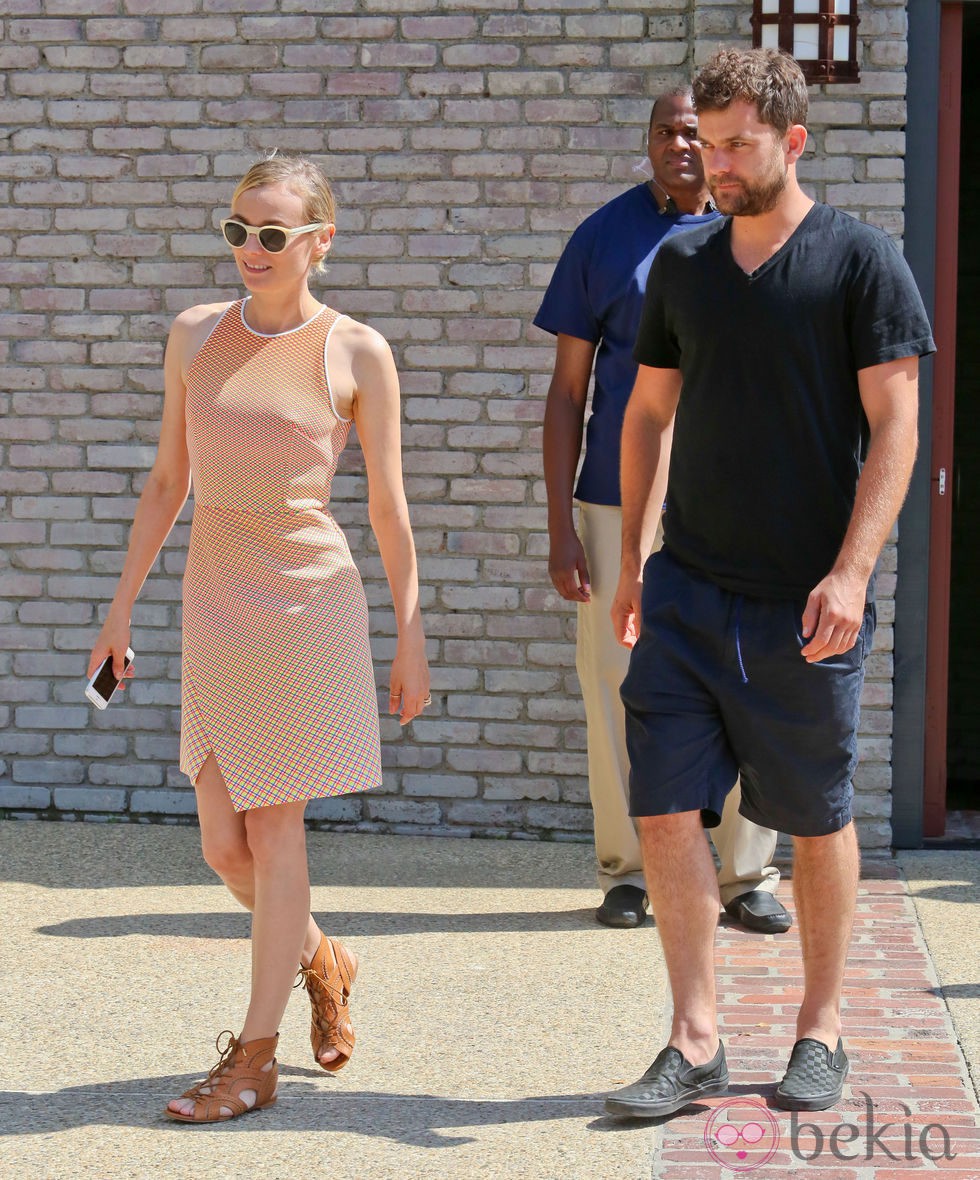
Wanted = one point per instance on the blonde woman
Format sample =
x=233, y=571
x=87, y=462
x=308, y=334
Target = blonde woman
x=278, y=702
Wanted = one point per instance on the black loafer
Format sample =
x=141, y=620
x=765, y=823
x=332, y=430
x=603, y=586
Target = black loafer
x=670, y=1084
x=759, y=911
x=814, y=1078
x=622, y=907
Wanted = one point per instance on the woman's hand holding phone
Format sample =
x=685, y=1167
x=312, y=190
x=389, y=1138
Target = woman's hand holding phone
x=112, y=643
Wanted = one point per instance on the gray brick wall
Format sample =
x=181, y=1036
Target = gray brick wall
x=464, y=146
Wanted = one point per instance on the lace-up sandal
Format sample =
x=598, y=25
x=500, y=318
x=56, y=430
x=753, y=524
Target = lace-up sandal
x=240, y=1068
x=328, y=981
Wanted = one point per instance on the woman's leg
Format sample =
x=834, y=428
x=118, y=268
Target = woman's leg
x=283, y=929
x=226, y=848
x=281, y=915
x=224, y=843
x=260, y=855
x=223, y=838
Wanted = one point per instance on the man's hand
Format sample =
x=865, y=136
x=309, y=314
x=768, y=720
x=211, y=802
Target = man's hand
x=568, y=568
x=833, y=616
x=626, y=609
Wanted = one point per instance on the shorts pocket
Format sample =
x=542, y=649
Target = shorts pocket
x=867, y=632
x=862, y=645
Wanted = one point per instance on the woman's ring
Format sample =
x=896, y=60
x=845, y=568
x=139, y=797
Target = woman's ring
x=427, y=701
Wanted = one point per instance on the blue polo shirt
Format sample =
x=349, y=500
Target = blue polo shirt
x=596, y=294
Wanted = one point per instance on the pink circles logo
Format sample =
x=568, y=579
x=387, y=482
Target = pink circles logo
x=741, y=1135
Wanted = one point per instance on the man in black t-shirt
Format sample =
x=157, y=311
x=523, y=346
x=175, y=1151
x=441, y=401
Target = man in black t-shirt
x=593, y=304
x=778, y=365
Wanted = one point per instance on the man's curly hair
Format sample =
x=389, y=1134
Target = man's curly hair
x=768, y=78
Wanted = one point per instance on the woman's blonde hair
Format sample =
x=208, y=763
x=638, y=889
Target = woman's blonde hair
x=305, y=178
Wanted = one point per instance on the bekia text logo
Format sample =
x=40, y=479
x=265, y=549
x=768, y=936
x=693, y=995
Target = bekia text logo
x=742, y=1135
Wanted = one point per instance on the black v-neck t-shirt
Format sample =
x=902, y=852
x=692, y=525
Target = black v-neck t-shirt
x=770, y=431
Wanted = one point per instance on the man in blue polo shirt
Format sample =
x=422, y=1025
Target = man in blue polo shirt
x=593, y=306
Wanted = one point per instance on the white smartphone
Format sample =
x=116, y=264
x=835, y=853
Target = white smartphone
x=103, y=684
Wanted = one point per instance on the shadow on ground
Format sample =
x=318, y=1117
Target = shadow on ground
x=419, y=1120
x=958, y=991
x=358, y=924
x=961, y=892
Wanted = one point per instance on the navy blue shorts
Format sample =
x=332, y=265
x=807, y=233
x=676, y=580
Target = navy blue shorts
x=717, y=687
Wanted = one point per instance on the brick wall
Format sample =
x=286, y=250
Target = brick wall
x=465, y=142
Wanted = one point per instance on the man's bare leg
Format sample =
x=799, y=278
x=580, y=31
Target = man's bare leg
x=683, y=890
x=825, y=881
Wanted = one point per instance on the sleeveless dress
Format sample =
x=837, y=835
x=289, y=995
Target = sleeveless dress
x=277, y=680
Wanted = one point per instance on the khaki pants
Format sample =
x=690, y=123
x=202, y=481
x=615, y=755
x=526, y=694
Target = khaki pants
x=744, y=849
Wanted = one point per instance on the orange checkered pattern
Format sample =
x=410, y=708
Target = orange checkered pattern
x=277, y=680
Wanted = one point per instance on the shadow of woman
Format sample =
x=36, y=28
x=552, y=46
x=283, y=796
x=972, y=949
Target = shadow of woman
x=355, y=925
x=304, y=1104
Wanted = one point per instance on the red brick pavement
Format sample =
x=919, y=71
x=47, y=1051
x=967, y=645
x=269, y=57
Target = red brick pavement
x=908, y=1099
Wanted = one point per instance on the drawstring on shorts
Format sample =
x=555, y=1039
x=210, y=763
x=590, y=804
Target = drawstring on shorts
x=738, y=637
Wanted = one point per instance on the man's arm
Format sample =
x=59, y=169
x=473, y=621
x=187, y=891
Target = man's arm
x=564, y=416
x=644, y=461
x=835, y=608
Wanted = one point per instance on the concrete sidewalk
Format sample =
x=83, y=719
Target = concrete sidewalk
x=491, y=1014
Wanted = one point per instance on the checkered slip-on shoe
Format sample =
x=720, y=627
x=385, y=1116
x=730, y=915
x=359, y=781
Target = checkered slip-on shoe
x=670, y=1084
x=814, y=1077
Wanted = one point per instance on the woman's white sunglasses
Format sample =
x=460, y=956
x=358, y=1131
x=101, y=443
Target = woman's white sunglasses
x=272, y=238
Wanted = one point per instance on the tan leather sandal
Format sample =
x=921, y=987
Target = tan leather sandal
x=240, y=1068
x=328, y=981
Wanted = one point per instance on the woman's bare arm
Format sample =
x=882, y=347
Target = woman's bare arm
x=165, y=490
x=377, y=415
